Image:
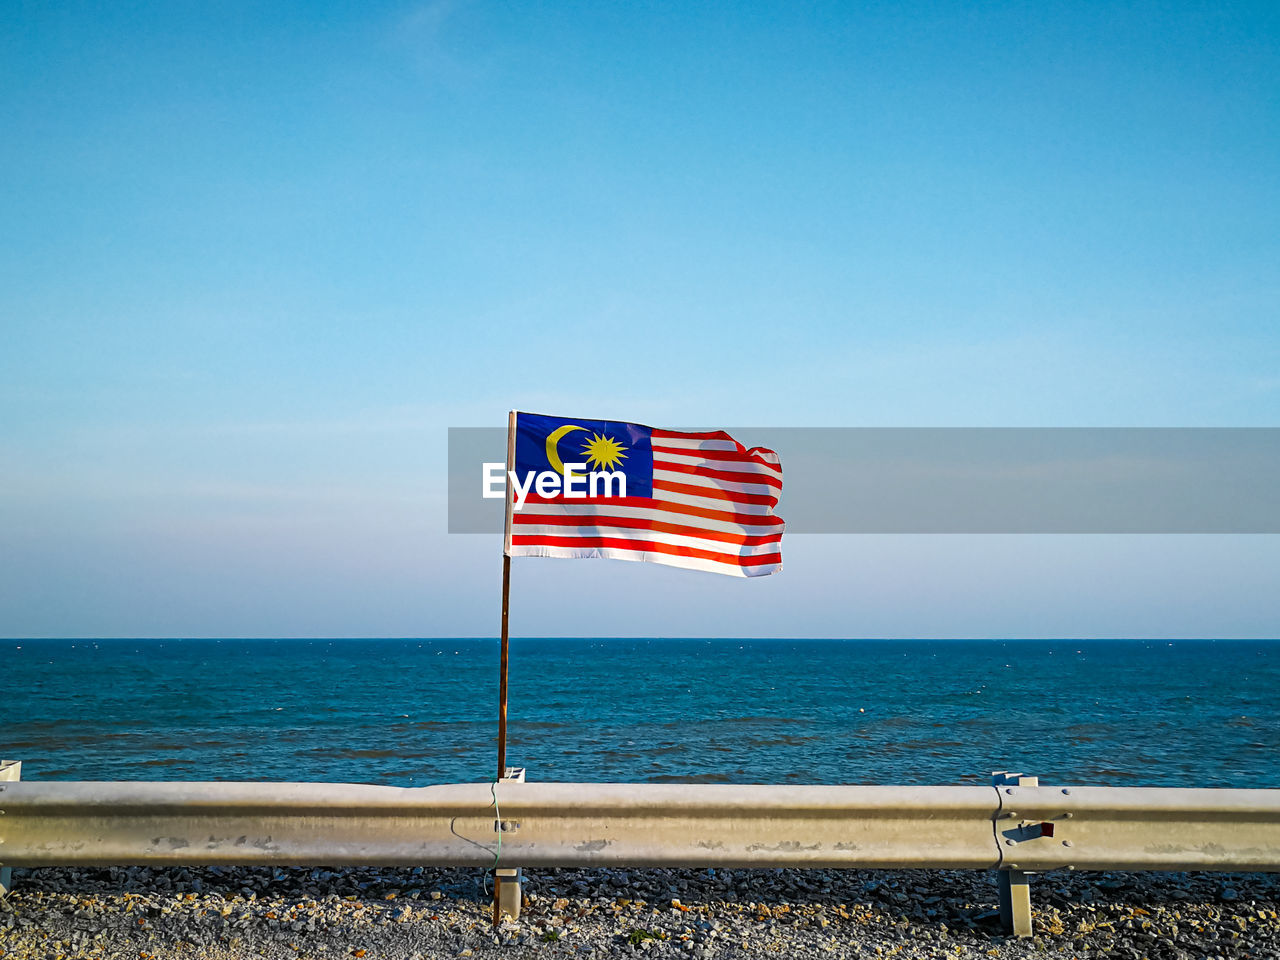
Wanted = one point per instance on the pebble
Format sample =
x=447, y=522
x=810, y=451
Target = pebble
x=365, y=913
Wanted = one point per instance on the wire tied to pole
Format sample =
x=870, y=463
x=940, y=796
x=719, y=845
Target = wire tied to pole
x=497, y=821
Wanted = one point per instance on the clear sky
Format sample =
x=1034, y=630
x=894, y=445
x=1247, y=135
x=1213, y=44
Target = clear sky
x=256, y=258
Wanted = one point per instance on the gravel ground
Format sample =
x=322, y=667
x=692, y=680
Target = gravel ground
x=145, y=914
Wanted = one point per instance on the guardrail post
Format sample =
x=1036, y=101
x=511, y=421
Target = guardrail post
x=9, y=770
x=507, y=880
x=1014, y=885
x=1015, y=902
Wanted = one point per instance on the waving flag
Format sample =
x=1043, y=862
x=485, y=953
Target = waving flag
x=604, y=488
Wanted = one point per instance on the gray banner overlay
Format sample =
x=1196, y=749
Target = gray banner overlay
x=978, y=480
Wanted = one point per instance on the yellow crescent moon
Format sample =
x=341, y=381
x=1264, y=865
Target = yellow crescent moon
x=553, y=456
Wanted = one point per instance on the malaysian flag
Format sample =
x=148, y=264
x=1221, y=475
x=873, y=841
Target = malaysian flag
x=604, y=488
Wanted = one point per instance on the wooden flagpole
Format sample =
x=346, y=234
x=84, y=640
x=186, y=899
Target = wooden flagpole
x=506, y=598
x=506, y=604
x=502, y=670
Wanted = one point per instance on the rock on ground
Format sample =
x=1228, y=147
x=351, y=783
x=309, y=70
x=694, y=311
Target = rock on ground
x=414, y=914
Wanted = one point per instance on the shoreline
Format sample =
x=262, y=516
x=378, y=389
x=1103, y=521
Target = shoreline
x=218, y=913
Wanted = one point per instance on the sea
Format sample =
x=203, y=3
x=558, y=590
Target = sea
x=1197, y=713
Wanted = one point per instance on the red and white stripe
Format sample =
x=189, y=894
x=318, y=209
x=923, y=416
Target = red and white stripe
x=712, y=509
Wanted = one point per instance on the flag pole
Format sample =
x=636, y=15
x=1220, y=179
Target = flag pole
x=502, y=670
x=502, y=665
x=506, y=598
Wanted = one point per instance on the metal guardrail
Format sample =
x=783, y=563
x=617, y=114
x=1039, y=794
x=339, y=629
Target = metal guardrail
x=1009, y=827
x=610, y=824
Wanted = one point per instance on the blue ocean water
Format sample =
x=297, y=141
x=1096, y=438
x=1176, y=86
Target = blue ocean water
x=417, y=712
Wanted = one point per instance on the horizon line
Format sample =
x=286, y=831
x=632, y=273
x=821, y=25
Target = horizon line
x=494, y=638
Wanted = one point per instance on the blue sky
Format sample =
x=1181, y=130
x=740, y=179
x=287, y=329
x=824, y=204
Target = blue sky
x=255, y=260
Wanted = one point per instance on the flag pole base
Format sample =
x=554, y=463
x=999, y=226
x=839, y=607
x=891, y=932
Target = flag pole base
x=507, y=881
